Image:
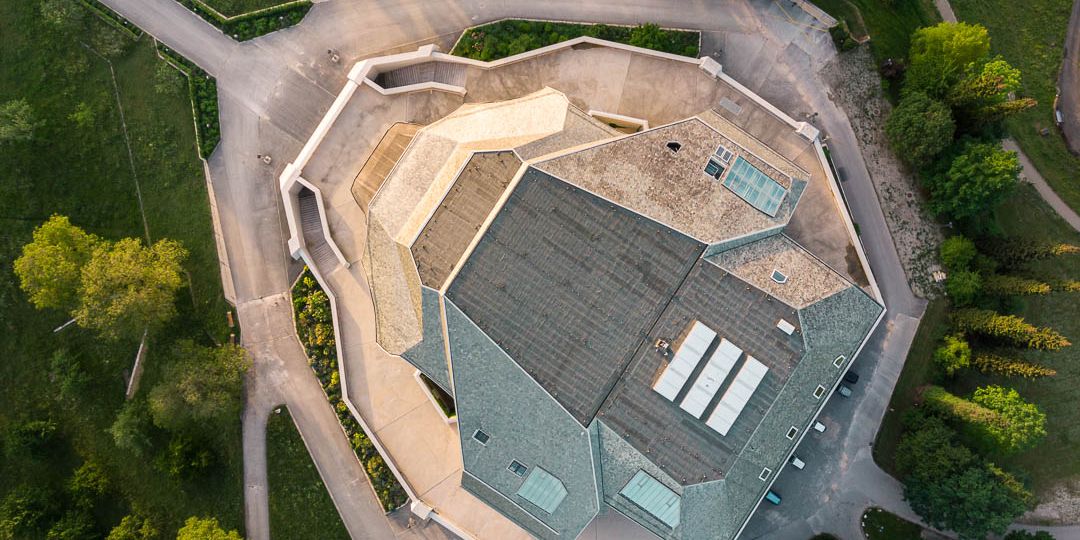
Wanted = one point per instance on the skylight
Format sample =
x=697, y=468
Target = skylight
x=543, y=489
x=653, y=497
x=779, y=277
x=755, y=187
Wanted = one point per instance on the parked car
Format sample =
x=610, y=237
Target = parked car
x=844, y=391
x=797, y=463
x=772, y=497
x=819, y=427
x=851, y=377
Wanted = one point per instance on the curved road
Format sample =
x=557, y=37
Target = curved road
x=275, y=89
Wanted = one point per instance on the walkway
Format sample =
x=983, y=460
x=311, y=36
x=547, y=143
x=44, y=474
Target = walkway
x=1031, y=174
x=1069, y=83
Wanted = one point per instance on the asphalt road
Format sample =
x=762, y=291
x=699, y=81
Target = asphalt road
x=274, y=90
x=1069, y=82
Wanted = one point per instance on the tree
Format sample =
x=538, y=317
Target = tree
x=1008, y=328
x=983, y=95
x=83, y=116
x=129, y=430
x=67, y=377
x=73, y=525
x=50, y=266
x=88, y=483
x=963, y=287
x=1013, y=285
x=205, y=529
x=1015, y=252
x=1025, y=424
x=1009, y=367
x=126, y=287
x=23, y=511
x=957, y=252
x=971, y=180
x=17, y=121
x=133, y=527
x=203, y=386
x=954, y=354
x=940, y=55
x=919, y=128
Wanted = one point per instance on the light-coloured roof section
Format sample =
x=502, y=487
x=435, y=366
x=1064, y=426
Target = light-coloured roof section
x=808, y=279
x=642, y=174
x=709, y=380
x=752, y=144
x=543, y=489
x=654, y=498
x=687, y=356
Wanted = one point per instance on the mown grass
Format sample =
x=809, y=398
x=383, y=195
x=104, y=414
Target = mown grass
x=1055, y=459
x=890, y=24
x=1031, y=36
x=300, y=506
x=232, y=8
x=83, y=172
x=878, y=524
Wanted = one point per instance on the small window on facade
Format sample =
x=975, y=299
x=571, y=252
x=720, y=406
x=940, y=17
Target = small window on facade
x=714, y=168
x=517, y=468
x=724, y=154
x=791, y=433
x=674, y=146
x=779, y=277
x=481, y=437
x=819, y=391
x=839, y=361
x=765, y=474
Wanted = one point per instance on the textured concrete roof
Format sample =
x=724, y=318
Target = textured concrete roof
x=808, y=280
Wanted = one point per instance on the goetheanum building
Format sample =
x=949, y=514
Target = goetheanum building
x=630, y=318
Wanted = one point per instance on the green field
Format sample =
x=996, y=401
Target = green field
x=1025, y=215
x=880, y=525
x=889, y=24
x=1031, y=36
x=300, y=506
x=84, y=172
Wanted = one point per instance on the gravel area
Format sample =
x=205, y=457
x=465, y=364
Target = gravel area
x=855, y=86
x=1059, y=505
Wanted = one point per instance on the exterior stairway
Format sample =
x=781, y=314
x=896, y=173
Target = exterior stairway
x=322, y=254
x=441, y=72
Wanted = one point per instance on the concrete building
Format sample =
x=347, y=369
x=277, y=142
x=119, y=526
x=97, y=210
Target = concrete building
x=629, y=318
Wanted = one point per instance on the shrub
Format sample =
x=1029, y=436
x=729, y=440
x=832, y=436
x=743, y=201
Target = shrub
x=1012, y=285
x=953, y=355
x=1015, y=252
x=919, y=128
x=957, y=253
x=1009, y=367
x=514, y=36
x=841, y=36
x=1008, y=328
x=963, y=287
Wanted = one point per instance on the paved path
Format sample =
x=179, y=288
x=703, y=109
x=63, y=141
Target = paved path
x=1069, y=82
x=1031, y=174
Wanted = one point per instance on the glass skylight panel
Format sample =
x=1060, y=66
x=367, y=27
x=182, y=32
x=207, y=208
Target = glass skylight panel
x=543, y=489
x=710, y=378
x=685, y=360
x=737, y=395
x=755, y=187
x=653, y=497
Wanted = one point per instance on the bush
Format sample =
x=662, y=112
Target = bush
x=1009, y=367
x=957, y=253
x=515, y=36
x=1012, y=285
x=841, y=36
x=256, y=23
x=1009, y=328
x=953, y=355
x=963, y=287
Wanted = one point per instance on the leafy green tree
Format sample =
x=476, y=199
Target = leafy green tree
x=73, y=525
x=963, y=287
x=954, y=354
x=972, y=180
x=1010, y=367
x=134, y=527
x=185, y=457
x=202, y=386
x=130, y=430
x=1015, y=252
x=957, y=253
x=23, y=511
x=68, y=377
x=51, y=265
x=1008, y=328
x=88, y=483
x=920, y=128
x=17, y=121
x=983, y=95
x=942, y=54
x=1013, y=285
x=1025, y=424
x=126, y=287
x=83, y=116
x=205, y=529
x=31, y=436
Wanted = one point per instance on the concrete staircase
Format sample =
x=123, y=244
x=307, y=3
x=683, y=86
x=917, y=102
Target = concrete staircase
x=322, y=254
x=441, y=72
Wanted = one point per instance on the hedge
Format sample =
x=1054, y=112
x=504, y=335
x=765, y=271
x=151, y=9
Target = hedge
x=202, y=89
x=254, y=24
x=514, y=36
x=1009, y=328
x=315, y=328
x=1010, y=367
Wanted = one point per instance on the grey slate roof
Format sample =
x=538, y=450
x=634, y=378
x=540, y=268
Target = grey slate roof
x=569, y=284
x=429, y=356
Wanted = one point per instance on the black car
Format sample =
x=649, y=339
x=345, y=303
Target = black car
x=851, y=377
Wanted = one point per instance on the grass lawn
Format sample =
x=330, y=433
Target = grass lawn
x=878, y=524
x=84, y=172
x=1055, y=458
x=232, y=8
x=889, y=24
x=300, y=506
x=1030, y=35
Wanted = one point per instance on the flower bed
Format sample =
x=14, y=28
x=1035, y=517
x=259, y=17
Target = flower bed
x=514, y=36
x=253, y=24
x=315, y=328
x=202, y=88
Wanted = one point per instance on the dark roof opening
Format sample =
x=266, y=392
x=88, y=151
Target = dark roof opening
x=674, y=146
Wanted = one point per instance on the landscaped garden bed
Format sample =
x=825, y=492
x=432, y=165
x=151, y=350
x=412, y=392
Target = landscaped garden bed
x=315, y=328
x=202, y=88
x=252, y=24
x=112, y=18
x=514, y=36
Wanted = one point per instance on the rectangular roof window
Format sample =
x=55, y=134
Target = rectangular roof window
x=517, y=468
x=737, y=395
x=764, y=474
x=721, y=362
x=819, y=391
x=653, y=497
x=543, y=489
x=785, y=327
x=755, y=187
x=791, y=433
x=481, y=437
x=714, y=168
x=839, y=361
x=686, y=359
